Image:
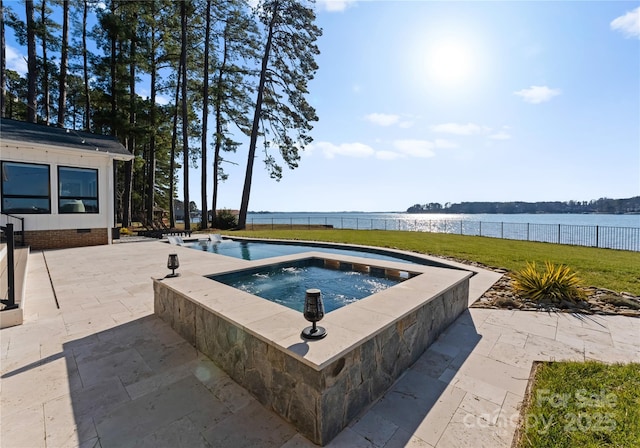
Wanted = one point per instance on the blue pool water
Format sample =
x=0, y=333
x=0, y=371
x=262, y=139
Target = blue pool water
x=287, y=284
x=258, y=250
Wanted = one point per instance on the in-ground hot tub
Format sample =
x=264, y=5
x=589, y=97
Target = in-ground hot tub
x=286, y=283
x=319, y=386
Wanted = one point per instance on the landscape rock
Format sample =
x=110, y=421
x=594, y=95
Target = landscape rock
x=597, y=300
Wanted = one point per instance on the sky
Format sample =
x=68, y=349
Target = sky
x=425, y=101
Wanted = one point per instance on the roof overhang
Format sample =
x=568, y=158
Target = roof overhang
x=9, y=143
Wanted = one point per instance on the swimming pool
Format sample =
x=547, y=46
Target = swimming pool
x=258, y=250
x=286, y=283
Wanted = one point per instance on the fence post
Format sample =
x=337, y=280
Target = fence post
x=480, y=229
x=559, y=233
x=527, y=231
x=460, y=227
x=597, y=236
x=502, y=230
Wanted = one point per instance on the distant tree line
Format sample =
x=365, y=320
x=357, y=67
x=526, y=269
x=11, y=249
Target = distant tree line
x=602, y=205
x=152, y=73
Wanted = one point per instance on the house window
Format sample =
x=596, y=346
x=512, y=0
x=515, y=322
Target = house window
x=25, y=188
x=78, y=190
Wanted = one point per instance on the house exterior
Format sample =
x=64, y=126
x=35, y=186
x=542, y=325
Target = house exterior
x=61, y=182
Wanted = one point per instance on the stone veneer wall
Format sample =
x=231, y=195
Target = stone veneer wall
x=61, y=239
x=319, y=402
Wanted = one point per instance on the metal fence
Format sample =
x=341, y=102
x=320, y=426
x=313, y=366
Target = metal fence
x=623, y=238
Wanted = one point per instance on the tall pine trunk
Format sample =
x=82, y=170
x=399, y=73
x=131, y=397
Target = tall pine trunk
x=174, y=143
x=131, y=141
x=151, y=170
x=45, y=64
x=246, y=192
x=62, y=88
x=85, y=69
x=32, y=77
x=185, y=123
x=218, y=142
x=3, y=63
x=204, y=219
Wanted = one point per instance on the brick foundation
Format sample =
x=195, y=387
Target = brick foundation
x=60, y=239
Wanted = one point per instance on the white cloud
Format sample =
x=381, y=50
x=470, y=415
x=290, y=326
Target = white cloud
x=628, y=24
x=15, y=61
x=415, y=148
x=161, y=100
x=445, y=144
x=400, y=149
x=501, y=135
x=388, y=155
x=460, y=129
x=405, y=121
x=330, y=150
x=335, y=5
x=382, y=119
x=406, y=124
x=537, y=94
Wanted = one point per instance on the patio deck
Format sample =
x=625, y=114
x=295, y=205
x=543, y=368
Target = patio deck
x=103, y=371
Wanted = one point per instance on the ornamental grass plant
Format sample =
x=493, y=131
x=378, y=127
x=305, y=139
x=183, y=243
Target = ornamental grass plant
x=553, y=284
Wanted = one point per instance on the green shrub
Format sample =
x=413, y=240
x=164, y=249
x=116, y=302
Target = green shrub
x=554, y=284
x=226, y=219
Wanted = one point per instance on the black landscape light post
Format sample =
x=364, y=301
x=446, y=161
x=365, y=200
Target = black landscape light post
x=173, y=263
x=313, y=312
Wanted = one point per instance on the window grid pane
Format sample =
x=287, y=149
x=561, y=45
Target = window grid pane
x=25, y=188
x=78, y=190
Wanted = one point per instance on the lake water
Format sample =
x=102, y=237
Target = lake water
x=593, y=230
x=350, y=218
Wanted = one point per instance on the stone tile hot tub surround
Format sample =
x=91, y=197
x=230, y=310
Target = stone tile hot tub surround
x=319, y=386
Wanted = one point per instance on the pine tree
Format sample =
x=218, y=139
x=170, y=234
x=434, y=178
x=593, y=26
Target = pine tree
x=3, y=63
x=32, y=76
x=281, y=110
x=184, y=7
x=238, y=45
x=204, y=218
x=64, y=57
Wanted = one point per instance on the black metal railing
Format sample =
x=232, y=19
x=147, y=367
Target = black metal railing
x=608, y=237
x=18, y=226
x=10, y=301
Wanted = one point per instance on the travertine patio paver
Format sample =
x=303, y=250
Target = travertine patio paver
x=103, y=371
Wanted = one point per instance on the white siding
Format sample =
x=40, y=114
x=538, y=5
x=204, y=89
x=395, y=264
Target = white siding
x=54, y=157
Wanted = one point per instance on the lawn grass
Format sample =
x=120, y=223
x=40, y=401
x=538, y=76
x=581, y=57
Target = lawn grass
x=605, y=268
x=582, y=405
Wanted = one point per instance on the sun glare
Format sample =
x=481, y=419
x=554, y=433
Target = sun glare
x=449, y=63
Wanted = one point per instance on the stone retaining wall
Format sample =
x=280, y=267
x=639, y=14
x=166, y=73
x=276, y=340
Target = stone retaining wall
x=318, y=399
